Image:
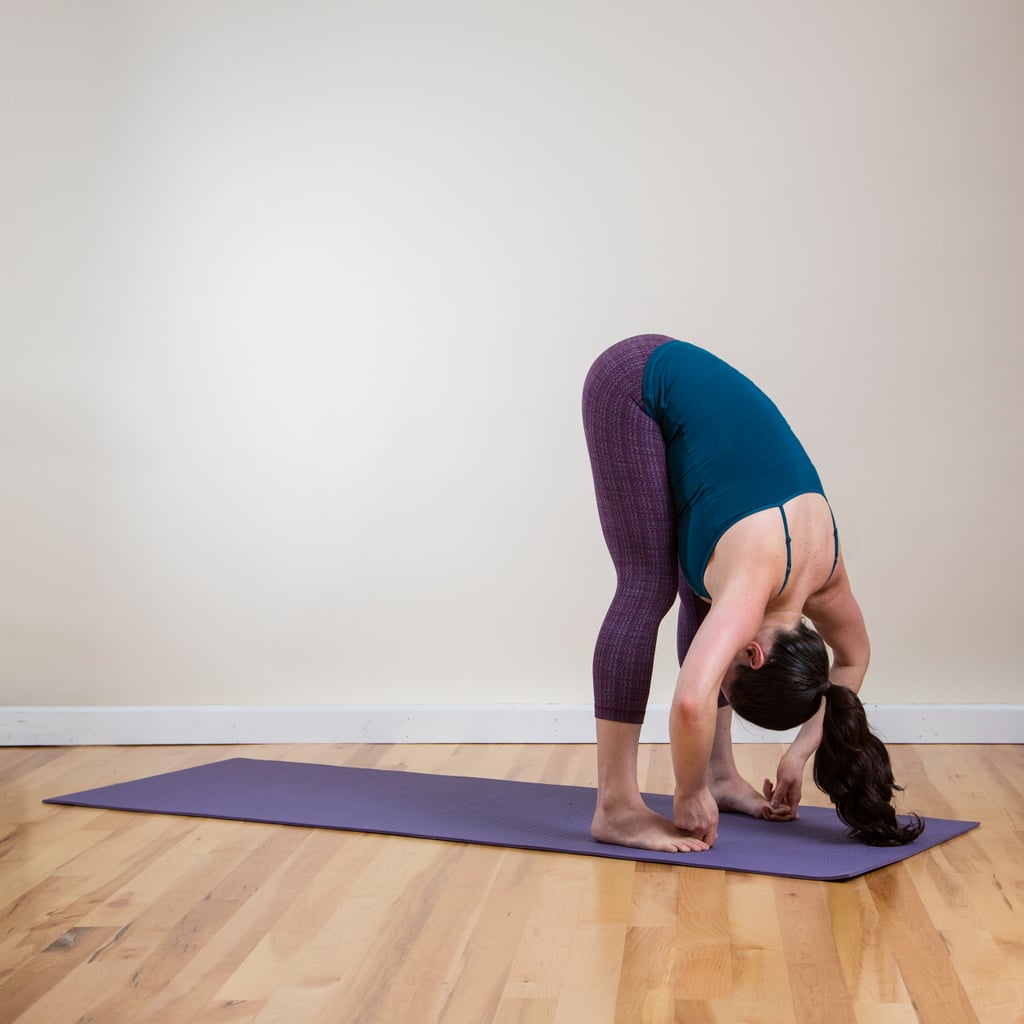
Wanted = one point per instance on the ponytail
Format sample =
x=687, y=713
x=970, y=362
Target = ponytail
x=852, y=766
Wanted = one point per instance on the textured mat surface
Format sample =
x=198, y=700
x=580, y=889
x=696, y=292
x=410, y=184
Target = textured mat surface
x=525, y=815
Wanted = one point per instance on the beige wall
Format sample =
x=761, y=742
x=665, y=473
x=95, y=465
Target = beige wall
x=297, y=298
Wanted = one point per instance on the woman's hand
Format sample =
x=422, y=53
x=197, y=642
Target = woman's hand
x=784, y=796
x=697, y=815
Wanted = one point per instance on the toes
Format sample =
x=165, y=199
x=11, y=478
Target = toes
x=695, y=847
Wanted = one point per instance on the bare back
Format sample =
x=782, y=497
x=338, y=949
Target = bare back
x=755, y=550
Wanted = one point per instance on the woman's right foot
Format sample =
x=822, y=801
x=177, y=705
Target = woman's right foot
x=641, y=828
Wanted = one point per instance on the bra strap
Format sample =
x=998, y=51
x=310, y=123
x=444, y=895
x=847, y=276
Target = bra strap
x=789, y=550
x=835, y=535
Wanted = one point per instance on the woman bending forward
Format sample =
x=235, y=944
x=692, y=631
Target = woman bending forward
x=703, y=490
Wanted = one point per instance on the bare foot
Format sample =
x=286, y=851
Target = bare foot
x=737, y=796
x=643, y=829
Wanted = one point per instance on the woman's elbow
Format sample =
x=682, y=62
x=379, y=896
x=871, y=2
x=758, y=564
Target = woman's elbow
x=688, y=709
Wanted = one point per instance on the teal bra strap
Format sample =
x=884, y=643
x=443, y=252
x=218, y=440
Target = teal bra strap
x=789, y=547
x=835, y=534
x=789, y=550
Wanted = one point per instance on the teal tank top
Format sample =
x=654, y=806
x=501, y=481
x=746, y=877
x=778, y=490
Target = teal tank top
x=730, y=451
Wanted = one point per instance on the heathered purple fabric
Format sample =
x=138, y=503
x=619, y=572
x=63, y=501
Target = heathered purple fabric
x=637, y=513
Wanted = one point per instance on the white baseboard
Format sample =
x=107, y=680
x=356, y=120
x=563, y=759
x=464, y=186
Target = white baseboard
x=485, y=723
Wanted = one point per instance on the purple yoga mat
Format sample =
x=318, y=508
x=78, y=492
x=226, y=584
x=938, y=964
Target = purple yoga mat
x=494, y=812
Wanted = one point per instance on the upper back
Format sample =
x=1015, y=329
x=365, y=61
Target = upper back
x=729, y=449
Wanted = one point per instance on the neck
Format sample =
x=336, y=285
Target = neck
x=782, y=619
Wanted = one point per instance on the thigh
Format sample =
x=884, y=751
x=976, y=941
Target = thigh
x=692, y=610
x=627, y=458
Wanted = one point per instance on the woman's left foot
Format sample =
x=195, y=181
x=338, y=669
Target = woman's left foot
x=737, y=796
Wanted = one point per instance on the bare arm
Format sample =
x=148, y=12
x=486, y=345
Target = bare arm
x=838, y=619
x=731, y=623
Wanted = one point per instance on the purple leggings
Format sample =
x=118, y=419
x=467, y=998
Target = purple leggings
x=638, y=519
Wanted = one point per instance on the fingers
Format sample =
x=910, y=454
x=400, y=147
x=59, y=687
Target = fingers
x=785, y=795
x=696, y=816
x=779, y=806
x=704, y=835
x=782, y=806
x=704, y=839
x=774, y=811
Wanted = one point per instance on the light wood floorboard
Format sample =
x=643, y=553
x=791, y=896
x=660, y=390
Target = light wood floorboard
x=112, y=917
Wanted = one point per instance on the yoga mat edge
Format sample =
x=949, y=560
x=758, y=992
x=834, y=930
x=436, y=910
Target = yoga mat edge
x=491, y=812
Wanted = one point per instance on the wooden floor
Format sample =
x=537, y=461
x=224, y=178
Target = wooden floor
x=108, y=916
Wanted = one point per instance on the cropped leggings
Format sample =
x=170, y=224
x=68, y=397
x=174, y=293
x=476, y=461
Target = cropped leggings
x=638, y=519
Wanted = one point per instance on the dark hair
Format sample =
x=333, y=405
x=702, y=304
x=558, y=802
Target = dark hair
x=851, y=764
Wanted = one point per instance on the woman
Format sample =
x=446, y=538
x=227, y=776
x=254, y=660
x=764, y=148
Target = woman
x=703, y=489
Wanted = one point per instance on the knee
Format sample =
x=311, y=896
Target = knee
x=647, y=594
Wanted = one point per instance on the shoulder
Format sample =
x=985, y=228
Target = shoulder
x=738, y=608
x=730, y=624
x=748, y=557
x=838, y=618
x=834, y=594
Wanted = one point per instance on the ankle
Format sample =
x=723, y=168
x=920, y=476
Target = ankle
x=616, y=800
x=725, y=777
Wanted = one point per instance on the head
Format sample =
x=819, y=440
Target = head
x=779, y=684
